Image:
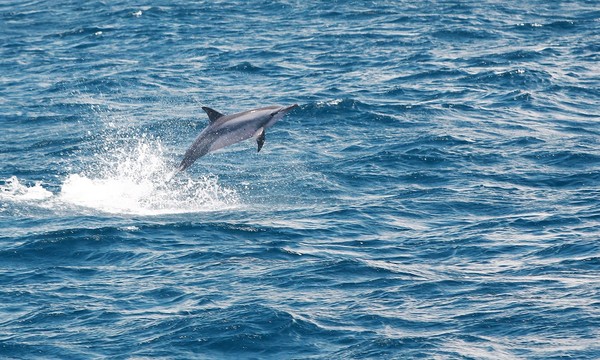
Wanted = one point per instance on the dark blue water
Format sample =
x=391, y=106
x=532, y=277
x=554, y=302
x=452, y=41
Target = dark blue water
x=435, y=195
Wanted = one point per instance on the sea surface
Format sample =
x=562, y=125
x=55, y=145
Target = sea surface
x=435, y=195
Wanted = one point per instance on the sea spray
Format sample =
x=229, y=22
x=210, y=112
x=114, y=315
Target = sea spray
x=132, y=180
x=13, y=190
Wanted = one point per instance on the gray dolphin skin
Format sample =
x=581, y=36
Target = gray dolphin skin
x=225, y=130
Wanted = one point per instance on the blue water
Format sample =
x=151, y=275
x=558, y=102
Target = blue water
x=435, y=195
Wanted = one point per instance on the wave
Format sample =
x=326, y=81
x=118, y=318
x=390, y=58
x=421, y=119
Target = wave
x=245, y=67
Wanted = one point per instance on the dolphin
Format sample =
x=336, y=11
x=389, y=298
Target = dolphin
x=225, y=130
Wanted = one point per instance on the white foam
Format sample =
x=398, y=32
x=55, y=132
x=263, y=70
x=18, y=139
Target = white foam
x=126, y=195
x=15, y=191
x=134, y=180
x=131, y=180
x=333, y=102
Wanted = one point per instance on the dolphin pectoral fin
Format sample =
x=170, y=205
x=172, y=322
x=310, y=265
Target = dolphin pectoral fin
x=213, y=115
x=261, y=139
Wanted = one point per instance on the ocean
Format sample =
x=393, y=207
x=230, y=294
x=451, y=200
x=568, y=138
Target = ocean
x=435, y=194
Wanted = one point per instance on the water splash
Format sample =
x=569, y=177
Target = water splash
x=134, y=180
x=130, y=180
x=13, y=190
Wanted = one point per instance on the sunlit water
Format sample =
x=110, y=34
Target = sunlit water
x=435, y=195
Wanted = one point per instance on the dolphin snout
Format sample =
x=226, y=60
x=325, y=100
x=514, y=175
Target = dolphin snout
x=284, y=110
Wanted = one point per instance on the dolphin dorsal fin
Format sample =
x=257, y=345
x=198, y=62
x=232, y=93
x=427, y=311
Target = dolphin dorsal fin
x=213, y=115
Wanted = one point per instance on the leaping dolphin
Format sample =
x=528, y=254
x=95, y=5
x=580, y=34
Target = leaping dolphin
x=225, y=130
